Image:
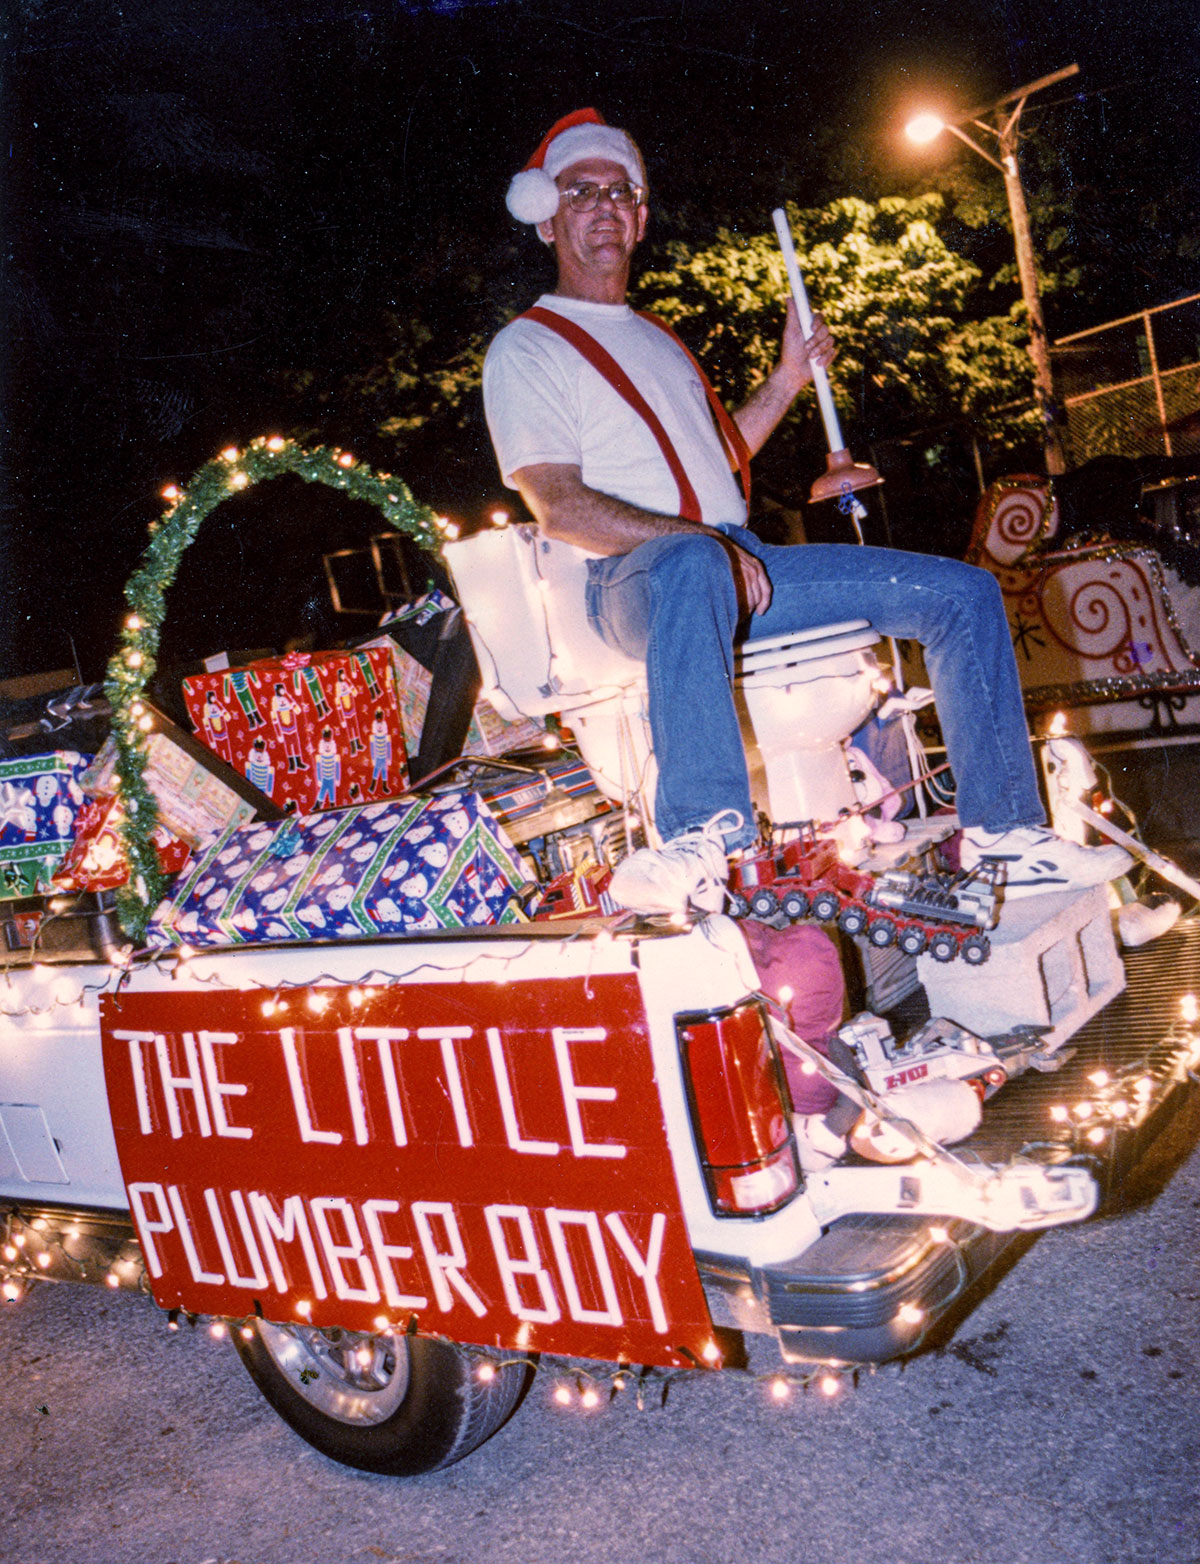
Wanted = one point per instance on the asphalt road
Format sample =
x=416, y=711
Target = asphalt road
x=1061, y=1425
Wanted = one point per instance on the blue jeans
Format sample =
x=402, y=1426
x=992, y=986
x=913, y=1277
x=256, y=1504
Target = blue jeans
x=672, y=602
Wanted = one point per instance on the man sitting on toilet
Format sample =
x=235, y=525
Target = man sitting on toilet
x=607, y=427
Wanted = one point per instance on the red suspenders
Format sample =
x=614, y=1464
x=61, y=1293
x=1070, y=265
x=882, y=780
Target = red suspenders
x=604, y=364
x=735, y=440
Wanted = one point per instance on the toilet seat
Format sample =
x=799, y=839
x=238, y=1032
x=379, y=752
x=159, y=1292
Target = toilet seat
x=779, y=659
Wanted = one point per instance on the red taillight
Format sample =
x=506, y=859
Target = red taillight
x=739, y=1109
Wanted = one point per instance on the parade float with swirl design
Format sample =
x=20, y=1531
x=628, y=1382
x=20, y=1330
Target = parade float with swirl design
x=1105, y=630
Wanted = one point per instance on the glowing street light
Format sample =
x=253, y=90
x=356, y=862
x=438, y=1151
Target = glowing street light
x=925, y=128
x=1000, y=120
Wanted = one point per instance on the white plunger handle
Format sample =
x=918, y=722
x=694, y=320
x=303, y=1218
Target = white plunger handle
x=833, y=431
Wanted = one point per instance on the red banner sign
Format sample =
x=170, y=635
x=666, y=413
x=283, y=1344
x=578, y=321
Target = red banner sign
x=487, y=1159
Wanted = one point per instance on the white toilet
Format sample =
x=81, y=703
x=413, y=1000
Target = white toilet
x=799, y=696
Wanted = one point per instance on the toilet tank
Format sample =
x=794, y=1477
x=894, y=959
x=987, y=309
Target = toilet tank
x=523, y=597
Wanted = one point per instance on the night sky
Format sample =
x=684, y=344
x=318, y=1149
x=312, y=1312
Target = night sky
x=202, y=202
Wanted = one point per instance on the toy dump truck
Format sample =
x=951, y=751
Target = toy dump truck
x=915, y=909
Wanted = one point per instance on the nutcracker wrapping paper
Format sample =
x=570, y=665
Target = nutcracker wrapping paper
x=388, y=868
x=40, y=801
x=318, y=730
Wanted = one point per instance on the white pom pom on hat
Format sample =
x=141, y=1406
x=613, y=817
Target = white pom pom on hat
x=533, y=196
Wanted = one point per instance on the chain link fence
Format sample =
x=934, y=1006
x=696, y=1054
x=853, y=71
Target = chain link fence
x=1131, y=387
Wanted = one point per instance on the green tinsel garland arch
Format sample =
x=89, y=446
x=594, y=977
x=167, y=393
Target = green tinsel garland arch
x=133, y=665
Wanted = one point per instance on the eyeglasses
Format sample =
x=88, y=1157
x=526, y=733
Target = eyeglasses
x=623, y=194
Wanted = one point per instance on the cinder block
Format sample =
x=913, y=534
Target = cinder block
x=1054, y=963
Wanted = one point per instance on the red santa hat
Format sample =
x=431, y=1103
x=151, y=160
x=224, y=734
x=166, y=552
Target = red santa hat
x=533, y=195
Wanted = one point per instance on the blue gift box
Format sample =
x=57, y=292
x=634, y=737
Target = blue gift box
x=394, y=867
x=40, y=801
x=515, y=796
x=571, y=775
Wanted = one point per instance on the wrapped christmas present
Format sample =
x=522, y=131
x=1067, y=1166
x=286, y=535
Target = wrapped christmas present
x=514, y=795
x=569, y=774
x=396, y=867
x=95, y=860
x=193, y=800
x=40, y=801
x=487, y=733
x=318, y=730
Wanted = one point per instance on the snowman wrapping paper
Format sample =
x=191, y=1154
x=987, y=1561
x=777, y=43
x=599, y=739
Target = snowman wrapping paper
x=399, y=867
x=40, y=803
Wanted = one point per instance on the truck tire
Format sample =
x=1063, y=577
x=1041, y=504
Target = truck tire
x=912, y=940
x=764, y=903
x=852, y=921
x=975, y=949
x=418, y=1405
x=739, y=907
x=943, y=947
x=882, y=934
x=825, y=906
x=795, y=905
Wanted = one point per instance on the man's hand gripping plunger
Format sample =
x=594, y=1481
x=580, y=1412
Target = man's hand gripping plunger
x=757, y=419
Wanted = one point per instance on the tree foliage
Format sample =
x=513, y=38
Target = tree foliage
x=915, y=346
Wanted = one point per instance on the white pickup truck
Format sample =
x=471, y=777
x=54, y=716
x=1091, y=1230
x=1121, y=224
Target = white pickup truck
x=401, y=1170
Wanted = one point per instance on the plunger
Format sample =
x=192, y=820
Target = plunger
x=842, y=475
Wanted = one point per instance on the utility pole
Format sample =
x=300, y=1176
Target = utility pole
x=1001, y=120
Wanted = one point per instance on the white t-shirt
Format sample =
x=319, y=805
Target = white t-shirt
x=546, y=403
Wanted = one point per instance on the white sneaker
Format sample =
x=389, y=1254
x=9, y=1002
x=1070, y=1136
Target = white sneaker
x=690, y=871
x=1037, y=861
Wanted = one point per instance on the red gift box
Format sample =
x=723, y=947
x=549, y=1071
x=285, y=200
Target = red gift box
x=96, y=858
x=311, y=731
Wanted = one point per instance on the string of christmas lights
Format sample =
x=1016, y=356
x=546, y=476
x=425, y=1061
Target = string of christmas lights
x=180, y=962
x=32, y=1251
x=132, y=666
x=35, y=1249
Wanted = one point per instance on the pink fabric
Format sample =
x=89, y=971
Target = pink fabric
x=806, y=960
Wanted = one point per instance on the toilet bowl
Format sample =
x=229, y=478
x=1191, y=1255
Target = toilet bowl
x=800, y=697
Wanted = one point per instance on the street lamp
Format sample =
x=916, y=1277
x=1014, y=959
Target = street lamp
x=1000, y=120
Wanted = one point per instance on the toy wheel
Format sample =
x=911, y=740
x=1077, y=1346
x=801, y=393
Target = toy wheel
x=739, y=907
x=882, y=934
x=764, y=903
x=943, y=947
x=795, y=904
x=976, y=948
x=393, y=1404
x=825, y=906
x=852, y=921
x=912, y=941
